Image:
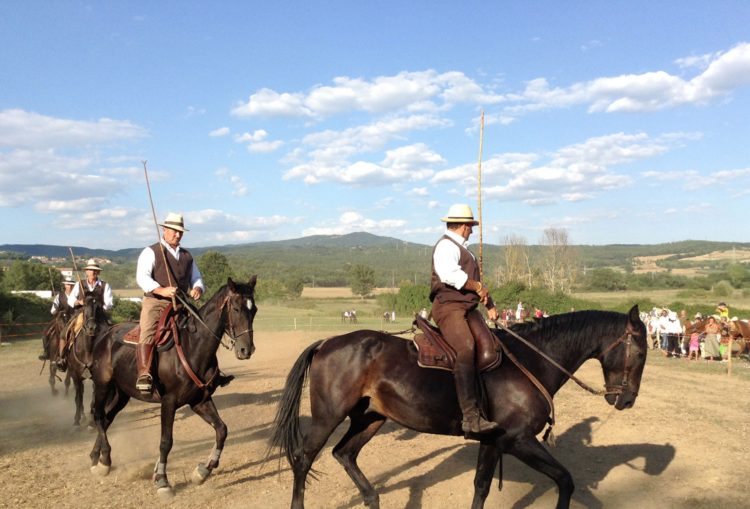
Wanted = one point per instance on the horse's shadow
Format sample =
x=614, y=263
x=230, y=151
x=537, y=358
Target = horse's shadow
x=593, y=465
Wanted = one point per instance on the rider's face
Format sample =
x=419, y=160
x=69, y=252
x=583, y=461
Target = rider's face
x=172, y=237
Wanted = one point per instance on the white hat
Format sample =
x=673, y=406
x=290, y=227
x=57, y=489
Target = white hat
x=460, y=213
x=92, y=265
x=68, y=281
x=174, y=221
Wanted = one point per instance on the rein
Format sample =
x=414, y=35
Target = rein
x=181, y=352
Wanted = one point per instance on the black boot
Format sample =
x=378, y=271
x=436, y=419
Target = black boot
x=143, y=357
x=472, y=422
x=43, y=356
x=223, y=380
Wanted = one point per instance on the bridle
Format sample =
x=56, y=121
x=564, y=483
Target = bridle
x=627, y=340
x=229, y=330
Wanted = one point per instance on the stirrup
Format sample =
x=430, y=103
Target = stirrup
x=473, y=423
x=144, y=384
x=62, y=365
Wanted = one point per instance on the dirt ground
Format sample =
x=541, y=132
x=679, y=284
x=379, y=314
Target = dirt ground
x=683, y=445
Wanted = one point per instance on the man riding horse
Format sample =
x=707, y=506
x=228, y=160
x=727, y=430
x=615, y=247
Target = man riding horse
x=163, y=269
x=455, y=293
x=59, y=308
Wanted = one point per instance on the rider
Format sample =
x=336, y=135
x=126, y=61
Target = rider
x=76, y=296
x=68, y=285
x=455, y=293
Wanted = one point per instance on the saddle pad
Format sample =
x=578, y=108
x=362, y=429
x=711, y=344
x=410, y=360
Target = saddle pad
x=430, y=355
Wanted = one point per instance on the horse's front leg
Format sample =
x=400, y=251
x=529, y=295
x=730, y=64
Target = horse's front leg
x=161, y=482
x=487, y=459
x=78, y=385
x=207, y=411
x=533, y=453
x=53, y=377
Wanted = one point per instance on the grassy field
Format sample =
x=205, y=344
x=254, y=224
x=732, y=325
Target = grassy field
x=664, y=297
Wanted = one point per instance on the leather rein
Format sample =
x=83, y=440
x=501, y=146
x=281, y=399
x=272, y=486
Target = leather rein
x=178, y=345
x=626, y=338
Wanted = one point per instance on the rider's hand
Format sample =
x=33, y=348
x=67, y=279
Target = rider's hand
x=166, y=291
x=196, y=293
x=492, y=314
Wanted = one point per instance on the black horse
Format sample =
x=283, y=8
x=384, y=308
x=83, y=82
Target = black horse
x=78, y=353
x=371, y=376
x=51, y=340
x=230, y=311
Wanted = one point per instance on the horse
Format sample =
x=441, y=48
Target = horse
x=371, y=376
x=187, y=375
x=349, y=315
x=78, y=351
x=51, y=341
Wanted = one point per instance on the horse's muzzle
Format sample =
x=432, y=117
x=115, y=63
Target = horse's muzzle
x=246, y=349
x=623, y=400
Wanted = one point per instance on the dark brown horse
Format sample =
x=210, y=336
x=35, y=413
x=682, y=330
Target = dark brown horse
x=79, y=350
x=51, y=340
x=230, y=311
x=372, y=376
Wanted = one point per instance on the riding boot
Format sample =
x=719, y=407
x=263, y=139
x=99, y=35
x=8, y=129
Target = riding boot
x=222, y=379
x=144, y=353
x=473, y=422
x=44, y=356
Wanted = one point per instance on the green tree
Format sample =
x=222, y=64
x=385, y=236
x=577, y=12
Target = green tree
x=28, y=276
x=215, y=270
x=737, y=274
x=362, y=280
x=294, y=285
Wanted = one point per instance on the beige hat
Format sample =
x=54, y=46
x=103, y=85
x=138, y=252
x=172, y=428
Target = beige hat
x=174, y=222
x=92, y=265
x=460, y=213
x=68, y=281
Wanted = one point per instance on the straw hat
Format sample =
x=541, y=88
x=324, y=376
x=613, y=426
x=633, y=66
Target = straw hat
x=68, y=281
x=92, y=265
x=174, y=221
x=460, y=213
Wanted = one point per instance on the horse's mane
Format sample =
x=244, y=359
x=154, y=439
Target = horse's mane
x=575, y=329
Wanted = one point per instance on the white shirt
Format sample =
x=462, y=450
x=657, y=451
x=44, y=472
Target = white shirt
x=108, y=302
x=446, y=257
x=145, y=269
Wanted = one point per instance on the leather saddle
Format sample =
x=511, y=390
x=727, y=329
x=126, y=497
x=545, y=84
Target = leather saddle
x=165, y=330
x=436, y=353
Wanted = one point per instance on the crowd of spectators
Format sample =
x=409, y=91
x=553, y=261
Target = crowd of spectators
x=679, y=336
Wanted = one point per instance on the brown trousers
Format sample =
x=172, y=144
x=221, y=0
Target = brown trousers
x=150, y=312
x=456, y=321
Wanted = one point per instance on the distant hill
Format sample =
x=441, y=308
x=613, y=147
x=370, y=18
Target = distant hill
x=324, y=260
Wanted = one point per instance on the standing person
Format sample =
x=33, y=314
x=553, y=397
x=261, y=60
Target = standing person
x=160, y=282
x=58, y=305
x=711, y=344
x=455, y=293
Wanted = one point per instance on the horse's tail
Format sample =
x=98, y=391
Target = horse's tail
x=286, y=432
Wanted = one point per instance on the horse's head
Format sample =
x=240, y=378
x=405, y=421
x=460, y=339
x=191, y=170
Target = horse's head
x=623, y=361
x=93, y=305
x=240, y=308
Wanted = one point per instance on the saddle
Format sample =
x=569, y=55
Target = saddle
x=165, y=329
x=435, y=352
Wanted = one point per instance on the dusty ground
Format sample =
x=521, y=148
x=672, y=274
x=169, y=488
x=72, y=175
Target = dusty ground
x=685, y=444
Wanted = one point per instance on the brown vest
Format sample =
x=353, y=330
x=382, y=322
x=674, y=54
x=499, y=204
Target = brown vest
x=180, y=271
x=446, y=293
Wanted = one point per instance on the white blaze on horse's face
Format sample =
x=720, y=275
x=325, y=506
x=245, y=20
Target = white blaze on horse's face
x=249, y=304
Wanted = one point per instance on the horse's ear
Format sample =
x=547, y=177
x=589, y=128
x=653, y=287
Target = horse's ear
x=230, y=284
x=634, y=315
x=253, y=280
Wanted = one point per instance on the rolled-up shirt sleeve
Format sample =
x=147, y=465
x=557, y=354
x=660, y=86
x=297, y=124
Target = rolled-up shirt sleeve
x=145, y=269
x=196, y=279
x=446, y=259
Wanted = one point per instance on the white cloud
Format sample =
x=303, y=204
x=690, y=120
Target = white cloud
x=406, y=91
x=265, y=146
x=24, y=129
x=237, y=185
x=221, y=131
x=351, y=221
x=257, y=141
x=649, y=91
x=573, y=173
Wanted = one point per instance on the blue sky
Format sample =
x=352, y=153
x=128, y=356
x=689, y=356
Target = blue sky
x=622, y=122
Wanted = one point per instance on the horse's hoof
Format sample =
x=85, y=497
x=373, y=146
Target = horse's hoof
x=165, y=493
x=200, y=474
x=100, y=470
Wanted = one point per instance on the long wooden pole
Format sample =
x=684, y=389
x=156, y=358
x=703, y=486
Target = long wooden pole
x=479, y=197
x=156, y=225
